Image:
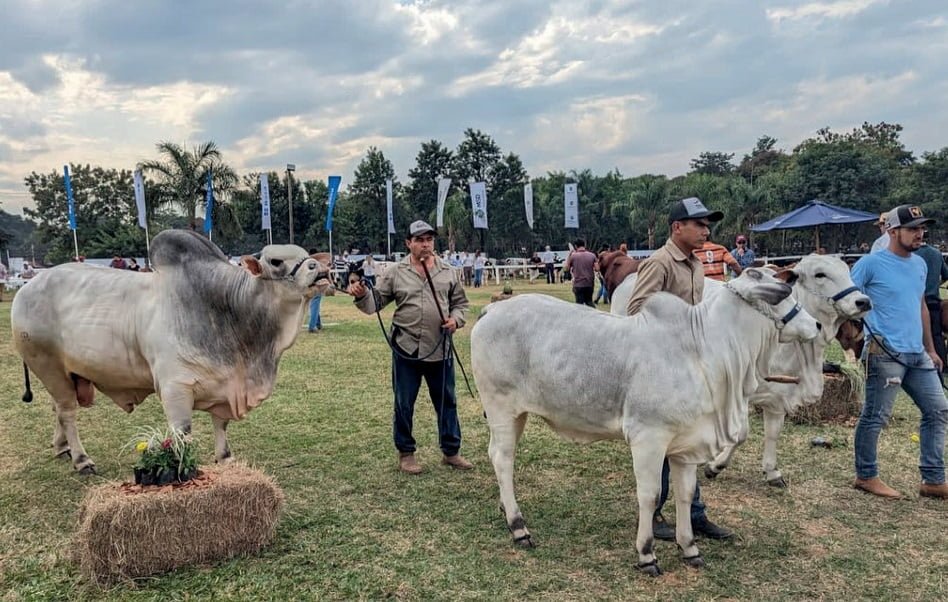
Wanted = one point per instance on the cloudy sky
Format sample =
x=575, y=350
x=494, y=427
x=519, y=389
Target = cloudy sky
x=639, y=85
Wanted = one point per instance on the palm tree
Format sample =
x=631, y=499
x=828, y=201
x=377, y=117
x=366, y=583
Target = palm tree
x=647, y=204
x=183, y=176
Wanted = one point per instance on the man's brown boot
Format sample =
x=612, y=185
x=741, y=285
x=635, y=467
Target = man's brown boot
x=408, y=463
x=875, y=486
x=929, y=490
x=457, y=461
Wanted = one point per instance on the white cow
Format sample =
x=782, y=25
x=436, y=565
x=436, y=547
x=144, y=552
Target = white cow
x=202, y=333
x=658, y=380
x=825, y=289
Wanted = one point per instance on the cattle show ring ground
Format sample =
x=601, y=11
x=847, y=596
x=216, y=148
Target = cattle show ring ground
x=356, y=528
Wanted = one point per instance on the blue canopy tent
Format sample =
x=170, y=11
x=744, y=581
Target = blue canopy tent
x=815, y=214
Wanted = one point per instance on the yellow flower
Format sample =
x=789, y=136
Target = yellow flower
x=141, y=446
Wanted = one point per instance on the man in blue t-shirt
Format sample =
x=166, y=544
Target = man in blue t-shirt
x=900, y=352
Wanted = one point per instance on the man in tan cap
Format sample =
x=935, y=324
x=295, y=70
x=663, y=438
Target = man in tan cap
x=883, y=241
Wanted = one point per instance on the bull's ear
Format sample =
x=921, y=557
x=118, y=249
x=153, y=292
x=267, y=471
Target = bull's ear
x=251, y=264
x=324, y=258
x=788, y=276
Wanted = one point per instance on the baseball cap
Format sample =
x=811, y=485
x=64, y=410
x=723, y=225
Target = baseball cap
x=419, y=227
x=907, y=216
x=692, y=208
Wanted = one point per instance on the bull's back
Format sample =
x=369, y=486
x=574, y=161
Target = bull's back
x=88, y=320
x=544, y=356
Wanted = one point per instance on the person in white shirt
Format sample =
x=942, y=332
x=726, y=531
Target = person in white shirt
x=479, y=262
x=467, y=263
x=883, y=241
x=548, y=260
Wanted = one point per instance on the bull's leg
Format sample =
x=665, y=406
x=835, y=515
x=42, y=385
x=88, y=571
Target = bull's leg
x=773, y=422
x=178, y=402
x=722, y=461
x=684, y=478
x=65, y=434
x=647, y=464
x=504, y=435
x=221, y=449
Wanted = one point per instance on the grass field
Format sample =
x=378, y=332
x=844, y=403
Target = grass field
x=355, y=527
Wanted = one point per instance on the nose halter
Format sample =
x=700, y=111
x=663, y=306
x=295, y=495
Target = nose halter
x=835, y=299
x=780, y=323
x=299, y=264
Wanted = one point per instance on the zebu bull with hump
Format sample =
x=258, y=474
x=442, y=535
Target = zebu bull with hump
x=201, y=333
x=658, y=380
x=825, y=289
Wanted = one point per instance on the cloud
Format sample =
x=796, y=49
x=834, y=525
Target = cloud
x=637, y=85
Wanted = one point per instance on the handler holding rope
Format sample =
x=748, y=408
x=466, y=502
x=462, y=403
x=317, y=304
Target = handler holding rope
x=430, y=305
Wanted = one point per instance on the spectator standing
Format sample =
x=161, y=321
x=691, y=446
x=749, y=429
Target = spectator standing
x=716, y=259
x=368, y=270
x=883, y=241
x=583, y=265
x=548, y=260
x=743, y=253
x=3, y=279
x=118, y=263
x=133, y=265
x=937, y=273
x=479, y=262
x=27, y=272
x=467, y=264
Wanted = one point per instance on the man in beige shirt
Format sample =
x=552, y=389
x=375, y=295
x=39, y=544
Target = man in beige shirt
x=421, y=341
x=674, y=269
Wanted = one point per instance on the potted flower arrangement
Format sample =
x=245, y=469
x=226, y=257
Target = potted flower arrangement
x=163, y=457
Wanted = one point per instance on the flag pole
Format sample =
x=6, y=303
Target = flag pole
x=75, y=243
x=147, y=247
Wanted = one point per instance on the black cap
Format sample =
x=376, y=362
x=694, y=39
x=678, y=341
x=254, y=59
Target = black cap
x=906, y=216
x=692, y=208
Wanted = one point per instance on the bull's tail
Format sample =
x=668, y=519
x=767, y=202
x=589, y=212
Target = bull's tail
x=28, y=395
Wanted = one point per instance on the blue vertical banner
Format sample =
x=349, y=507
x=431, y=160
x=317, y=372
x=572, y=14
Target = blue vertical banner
x=209, y=204
x=334, y=182
x=69, y=199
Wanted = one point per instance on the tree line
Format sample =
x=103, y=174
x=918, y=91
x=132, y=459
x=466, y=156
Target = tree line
x=867, y=168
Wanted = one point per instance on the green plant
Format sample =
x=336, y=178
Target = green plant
x=164, y=453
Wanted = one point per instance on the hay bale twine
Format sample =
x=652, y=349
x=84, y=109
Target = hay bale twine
x=842, y=399
x=127, y=531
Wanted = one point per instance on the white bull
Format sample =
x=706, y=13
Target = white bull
x=658, y=380
x=825, y=289
x=200, y=332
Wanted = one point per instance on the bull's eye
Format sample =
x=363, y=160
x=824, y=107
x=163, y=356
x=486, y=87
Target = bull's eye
x=276, y=262
x=820, y=275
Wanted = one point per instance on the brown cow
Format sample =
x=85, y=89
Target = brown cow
x=616, y=266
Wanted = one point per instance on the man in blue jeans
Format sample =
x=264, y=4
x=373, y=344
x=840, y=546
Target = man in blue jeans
x=900, y=352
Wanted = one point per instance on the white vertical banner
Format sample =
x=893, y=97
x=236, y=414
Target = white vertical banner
x=479, y=204
x=571, y=209
x=444, y=185
x=264, y=202
x=139, y=186
x=388, y=206
x=528, y=203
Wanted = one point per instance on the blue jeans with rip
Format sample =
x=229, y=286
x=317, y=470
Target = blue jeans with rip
x=697, y=506
x=918, y=378
x=315, y=323
x=406, y=381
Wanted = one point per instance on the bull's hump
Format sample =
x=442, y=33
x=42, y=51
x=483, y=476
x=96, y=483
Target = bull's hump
x=184, y=247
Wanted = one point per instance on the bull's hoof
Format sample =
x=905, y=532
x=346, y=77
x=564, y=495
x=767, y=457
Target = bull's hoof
x=695, y=562
x=710, y=472
x=777, y=482
x=88, y=470
x=525, y=541
x=650, y=568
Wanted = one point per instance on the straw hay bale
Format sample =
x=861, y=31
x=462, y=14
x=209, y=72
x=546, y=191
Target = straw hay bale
x=126, y=531
x=842, y=398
